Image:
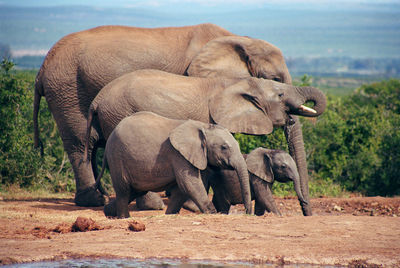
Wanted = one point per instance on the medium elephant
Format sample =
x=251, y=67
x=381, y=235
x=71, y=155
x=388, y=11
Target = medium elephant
x=249, y=105
x=149, y=152
x=265, y=166
x=80, y=64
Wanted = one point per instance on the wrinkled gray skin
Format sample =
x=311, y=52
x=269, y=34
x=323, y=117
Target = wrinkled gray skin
x=148, y=152
x=250, y=105
x=265, y=166
x=80, y=64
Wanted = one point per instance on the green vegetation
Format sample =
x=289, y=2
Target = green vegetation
x=20, y=163
x=356, y=141
x=353, y=147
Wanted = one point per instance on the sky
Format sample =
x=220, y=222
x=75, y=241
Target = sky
x=193, y=3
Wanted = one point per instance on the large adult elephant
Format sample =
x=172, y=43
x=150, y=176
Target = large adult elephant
x=80, y=64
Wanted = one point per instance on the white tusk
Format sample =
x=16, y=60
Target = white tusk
x=307, y=109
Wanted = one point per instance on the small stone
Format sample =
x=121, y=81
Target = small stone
x=83, y=224
x=337, y=208
x=136, y=226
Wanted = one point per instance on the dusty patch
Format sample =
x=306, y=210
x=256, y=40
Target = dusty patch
x=358, y=232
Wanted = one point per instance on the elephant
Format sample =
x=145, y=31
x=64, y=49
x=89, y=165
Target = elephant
x=265, y=166
x=250, y=105
x=149, y=152
x=81, y=63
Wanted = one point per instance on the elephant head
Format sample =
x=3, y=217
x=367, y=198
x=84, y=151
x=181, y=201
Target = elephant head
x=212, y=145
x=239, y=56
x=270, y=165
x=255, y=106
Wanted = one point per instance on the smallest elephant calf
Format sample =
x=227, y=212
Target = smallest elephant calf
x=265, y=166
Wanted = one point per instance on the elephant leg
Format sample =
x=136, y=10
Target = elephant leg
x=294, y=137
x=99, y=144
x=190, y=183
x=259, y=209
x=188, y=205
x=150, y=201
x=86, y=193
x=118, y=208
x=110, y=209
x=263, y=195
x=71, y=124
x=220, y=201
x=191, y=206
x=221, y=204
x=121, y=206
x=176, y=200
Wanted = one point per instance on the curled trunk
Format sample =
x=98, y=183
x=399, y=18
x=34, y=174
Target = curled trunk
x=303, y=95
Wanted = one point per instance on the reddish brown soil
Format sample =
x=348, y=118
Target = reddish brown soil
x=358, y=231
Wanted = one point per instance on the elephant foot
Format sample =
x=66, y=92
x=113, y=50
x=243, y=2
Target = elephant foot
x=191, y=206
x=90, y=197
x=110, y=209
x=150, y=201
x=210, y=209
x=306, y=208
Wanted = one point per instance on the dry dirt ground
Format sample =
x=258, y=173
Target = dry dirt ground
x=355, y=232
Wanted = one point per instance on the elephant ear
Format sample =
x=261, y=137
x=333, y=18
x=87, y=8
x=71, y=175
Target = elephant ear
x=224, y=56
x=239, y=109
x=259, y=163
x=189, y=140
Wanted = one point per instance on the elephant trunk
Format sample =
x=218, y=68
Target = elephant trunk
x=297, y=188
x=306, y=94
x=239, y=164
x=294, y=137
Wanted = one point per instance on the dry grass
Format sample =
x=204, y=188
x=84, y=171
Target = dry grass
x=15, y=193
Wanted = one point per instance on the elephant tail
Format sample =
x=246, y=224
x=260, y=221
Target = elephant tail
x=91, y=113
x=36, y=106
x=98, y=184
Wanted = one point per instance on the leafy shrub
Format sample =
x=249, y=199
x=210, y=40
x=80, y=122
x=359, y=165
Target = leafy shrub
x=20, y=163
x=355, y=142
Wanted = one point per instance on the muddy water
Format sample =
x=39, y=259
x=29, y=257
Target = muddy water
x=128, y=263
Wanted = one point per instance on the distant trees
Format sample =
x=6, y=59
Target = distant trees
x=346, y=66
x=5, y=51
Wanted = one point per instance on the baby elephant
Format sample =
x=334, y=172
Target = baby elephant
x=148, y=152
x=265, y=166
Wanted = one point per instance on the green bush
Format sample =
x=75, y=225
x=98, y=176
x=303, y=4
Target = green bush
x=20, y=163
x=355, y=142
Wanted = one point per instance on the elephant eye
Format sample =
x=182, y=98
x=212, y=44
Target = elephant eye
x=281, y=95
x=283, y=166
x=277, y=79
x=224, y=147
